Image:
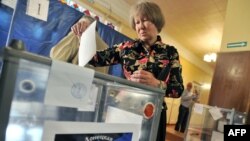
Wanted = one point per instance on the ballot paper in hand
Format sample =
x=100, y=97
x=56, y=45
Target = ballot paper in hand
x=87, y=47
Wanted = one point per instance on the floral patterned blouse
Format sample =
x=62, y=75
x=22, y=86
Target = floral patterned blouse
x=160, y=59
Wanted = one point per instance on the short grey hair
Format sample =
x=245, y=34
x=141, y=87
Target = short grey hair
x=150, y=10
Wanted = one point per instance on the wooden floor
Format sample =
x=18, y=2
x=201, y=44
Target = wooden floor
x=173, y=135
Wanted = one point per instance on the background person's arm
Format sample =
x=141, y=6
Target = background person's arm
x=66, y=49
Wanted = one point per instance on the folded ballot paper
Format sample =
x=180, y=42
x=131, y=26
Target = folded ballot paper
x=89, y=43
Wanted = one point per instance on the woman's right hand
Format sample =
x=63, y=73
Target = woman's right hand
x=80, y=27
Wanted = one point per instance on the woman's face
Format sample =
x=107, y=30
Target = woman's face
x=145, y=29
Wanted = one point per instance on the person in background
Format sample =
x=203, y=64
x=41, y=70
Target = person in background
x=187, y=99
x=145, y=60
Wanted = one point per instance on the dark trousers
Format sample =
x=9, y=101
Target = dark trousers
x=182, y=119
x=162, y=126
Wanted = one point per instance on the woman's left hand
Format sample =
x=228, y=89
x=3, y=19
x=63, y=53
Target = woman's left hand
x=145, y=77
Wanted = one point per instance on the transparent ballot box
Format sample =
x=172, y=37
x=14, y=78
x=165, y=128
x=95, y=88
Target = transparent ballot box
x=111, y=105
x=206, y=123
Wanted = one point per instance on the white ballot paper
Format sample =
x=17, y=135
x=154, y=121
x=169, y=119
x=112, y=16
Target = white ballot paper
x=70, y=86
x=89, y=43
x=215, y=112
x=90, y=131
x=87, y=47
x=115, y=115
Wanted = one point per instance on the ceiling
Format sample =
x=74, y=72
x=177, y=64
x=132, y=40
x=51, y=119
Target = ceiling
x=196, y=24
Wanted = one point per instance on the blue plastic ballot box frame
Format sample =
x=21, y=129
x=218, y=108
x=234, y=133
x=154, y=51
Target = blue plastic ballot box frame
x=26, y=109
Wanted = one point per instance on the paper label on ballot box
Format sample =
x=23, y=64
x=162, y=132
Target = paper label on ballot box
x=71, y=86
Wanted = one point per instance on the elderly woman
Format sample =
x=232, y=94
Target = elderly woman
x=146, y=60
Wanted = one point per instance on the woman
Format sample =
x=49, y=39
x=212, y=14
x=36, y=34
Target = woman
x=146, y=60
